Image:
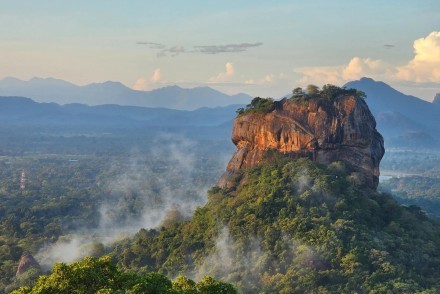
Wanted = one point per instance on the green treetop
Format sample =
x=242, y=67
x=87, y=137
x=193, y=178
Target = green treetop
x=92, y=275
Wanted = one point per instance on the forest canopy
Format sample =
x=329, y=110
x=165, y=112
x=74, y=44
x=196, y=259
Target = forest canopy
x=294, y=226
x=93, y=275
x=328, y=92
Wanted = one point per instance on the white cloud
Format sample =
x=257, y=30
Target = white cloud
x=143, y=84
x=361, y=67
x=356, y=68
x=224, y=76
x=425, y=66
x=157, y=76
x=266, y=80
x=321, y=75
x=140, y=85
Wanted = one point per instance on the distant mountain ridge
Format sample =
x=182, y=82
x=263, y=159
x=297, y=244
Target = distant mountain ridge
x=403, y=120
x=399, y=116
x=62, y=92
x=25, y=111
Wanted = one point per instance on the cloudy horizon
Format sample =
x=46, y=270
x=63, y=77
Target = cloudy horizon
x=252, y=47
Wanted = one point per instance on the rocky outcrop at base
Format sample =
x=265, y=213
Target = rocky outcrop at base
x=27, y=261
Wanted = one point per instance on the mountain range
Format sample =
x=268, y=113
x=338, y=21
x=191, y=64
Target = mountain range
x=404, y=120
x=62, y=92
x=25, y=111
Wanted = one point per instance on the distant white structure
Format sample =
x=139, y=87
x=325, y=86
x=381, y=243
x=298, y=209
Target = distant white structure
x=23, y=180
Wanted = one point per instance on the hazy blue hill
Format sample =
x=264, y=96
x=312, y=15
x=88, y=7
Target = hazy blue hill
x=44, y=90
x=22, y=111
x=405, y=121
x=391, y=107
x=20, y=108
x=382, y=97
x=161, y=116
x=59, y=91
x=196, y=97
x=392, y=121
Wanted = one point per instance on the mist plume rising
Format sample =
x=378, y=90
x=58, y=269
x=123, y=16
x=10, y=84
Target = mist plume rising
x=161, y=185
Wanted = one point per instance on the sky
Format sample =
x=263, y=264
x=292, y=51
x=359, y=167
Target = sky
x=263, y=48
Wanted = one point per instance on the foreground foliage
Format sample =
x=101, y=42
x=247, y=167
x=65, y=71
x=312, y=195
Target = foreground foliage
x=93, y=275
x=297, y=227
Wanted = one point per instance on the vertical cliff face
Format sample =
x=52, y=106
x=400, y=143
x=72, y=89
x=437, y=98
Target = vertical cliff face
x=325, y=131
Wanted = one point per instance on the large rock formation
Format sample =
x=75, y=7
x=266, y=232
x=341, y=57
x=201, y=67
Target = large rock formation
x=325, y=131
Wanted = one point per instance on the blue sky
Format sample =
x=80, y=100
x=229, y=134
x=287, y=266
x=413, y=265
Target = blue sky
x=259, y=47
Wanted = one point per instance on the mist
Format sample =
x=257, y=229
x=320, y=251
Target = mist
x=304, y=181
x=246, y=263
x=165, y=183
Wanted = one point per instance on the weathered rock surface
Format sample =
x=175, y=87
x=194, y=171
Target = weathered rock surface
x=27, y=261
x=324, y=131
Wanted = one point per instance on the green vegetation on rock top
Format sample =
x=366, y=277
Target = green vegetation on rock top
x=258, y=105
x=328, y=92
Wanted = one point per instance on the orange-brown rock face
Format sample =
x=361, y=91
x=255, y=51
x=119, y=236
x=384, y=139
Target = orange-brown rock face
x=324, y=131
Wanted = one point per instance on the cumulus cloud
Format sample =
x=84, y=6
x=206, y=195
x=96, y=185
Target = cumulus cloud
x=361, y=67
x=320, y=75
x=156, y=77
x=216, y=49
x=140, y=85
x=225, y=76
x=143, y=84
x=356, y=68
x=425, y=66
x=266, y=80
